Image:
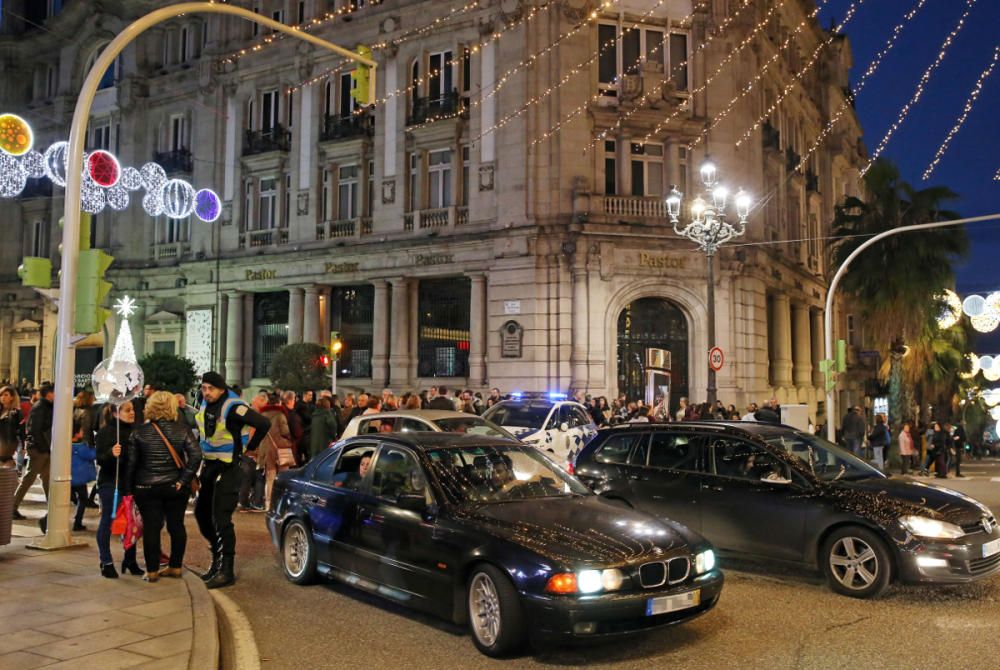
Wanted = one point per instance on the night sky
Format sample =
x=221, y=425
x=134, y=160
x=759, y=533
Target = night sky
x=974, y=154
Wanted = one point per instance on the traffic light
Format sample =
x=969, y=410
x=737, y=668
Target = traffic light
x=335, y=344
x=841, y=356
x=324, y=360
x=91, y=290
x=36, y=272
x=360, y=79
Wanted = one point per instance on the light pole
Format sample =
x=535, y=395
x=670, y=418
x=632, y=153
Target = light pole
x=710, y=229
x=58, y=533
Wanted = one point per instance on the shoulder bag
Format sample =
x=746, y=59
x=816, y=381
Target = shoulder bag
x=286, y=455
x=195, y=484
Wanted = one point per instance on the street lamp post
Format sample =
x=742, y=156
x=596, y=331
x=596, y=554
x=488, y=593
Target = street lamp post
x=710, y=229
x=58, y=533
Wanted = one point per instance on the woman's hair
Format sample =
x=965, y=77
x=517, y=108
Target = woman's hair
x=83, y=399
x=879, y=418
x=15, y=398
x=374, y=402
x=161, y=406
x=413, y=402
x=323, y=403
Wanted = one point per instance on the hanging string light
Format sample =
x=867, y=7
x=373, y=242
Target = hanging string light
x=969, y=103
x=13, y=177
x=423, y=30
x=872, y=68
x=797, y=77
x=178, y=198
x=919, y=92
x=320, y=77
x=34, y=164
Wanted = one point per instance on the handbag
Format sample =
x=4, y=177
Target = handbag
x=195, y=484
x=119, y=525
x=286, y=455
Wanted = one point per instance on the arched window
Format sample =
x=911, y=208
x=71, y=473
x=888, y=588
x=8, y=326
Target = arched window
x=652, y=323
x=111, y=75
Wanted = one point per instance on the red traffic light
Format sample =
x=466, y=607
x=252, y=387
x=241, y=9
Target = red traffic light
x=324, y=360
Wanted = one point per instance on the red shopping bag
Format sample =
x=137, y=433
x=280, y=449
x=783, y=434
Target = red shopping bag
x=133, y=523
x=118, y=523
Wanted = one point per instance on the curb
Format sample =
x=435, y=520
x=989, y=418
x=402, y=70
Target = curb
x=205, y=625
x=238, y=647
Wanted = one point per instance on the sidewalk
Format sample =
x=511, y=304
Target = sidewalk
x=58, y=612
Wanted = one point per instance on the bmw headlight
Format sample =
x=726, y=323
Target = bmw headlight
x=923, y=526
x=594, y=581
x=704, y=561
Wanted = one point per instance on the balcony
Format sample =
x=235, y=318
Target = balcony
x=344, y=229
x=432, y=109
x=178, y=160
x=770, y=136
x=169, y=251
x=437, y=218
x=335, y=128
x=264, y=141
x=257, y=239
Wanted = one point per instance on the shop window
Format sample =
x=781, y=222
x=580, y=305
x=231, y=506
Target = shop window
x=164, y=347
x=443, y=327
x=352, y=313
x=270, y=316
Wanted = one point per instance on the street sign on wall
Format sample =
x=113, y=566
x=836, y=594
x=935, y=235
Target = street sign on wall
x=716, y=358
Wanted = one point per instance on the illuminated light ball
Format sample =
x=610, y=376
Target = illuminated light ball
x=34, y=164
x=951, y=311
x=985, y=323
x=993, y=374
x=985, y=362
x=131, y=179
x=16, y=137
x=991, y=397
x=207, y=205
x=974, y=305
x=993, y=303
x=103, y=168
x=55, y=163
x=153, y=176
x=178, y=199
x=974, y=366
x=995, y=413
x=92, y=198
x=117, y=197
x=13, y=178
x=153, y=204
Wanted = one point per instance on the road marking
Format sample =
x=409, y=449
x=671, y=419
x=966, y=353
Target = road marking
x=995, y=479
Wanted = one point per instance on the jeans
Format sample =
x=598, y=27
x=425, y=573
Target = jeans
x=38, y=466
x=854, y=445
x=220, y=491
x=158, y=504
x=879, y=457
x=80, y=490
x=252, y=488
x=107, y=494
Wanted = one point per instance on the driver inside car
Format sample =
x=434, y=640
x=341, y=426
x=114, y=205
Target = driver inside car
x=352, y=480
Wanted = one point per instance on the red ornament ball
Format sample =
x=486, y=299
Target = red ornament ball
x=104, y=168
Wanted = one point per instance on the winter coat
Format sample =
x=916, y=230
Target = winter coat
x=84, y=469
x=39, y=431
x=853, y=426
x=879, y=436
x=11, y=433
x=325, y=429
x=906, y=444
x=110, y=466
x=278, y=437
x=150, y=462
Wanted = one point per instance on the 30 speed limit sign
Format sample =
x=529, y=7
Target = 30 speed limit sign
x=716, y=358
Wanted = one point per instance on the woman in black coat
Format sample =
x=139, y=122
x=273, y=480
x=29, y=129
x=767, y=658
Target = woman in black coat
x=112, y=457
x=11, y=428
x=160, y=487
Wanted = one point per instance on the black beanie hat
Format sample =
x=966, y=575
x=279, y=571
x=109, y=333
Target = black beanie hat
x=214, y=379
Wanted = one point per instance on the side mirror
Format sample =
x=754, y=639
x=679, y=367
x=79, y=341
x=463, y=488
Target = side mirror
x=563, y=426
x=411, y=502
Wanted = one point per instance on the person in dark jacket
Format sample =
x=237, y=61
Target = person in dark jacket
x=959, y=439
x=83, y=471
x=769, y=413
x=940, y=443
x=11, y=428
x=112, y=457
x=295, y=424
x=38, y=440
x=305, y=408
x=441, y=401
x=160, y=487
x=852, y=430
x=879, y=440
x=325, y=427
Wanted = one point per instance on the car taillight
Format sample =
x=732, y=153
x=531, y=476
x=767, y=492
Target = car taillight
x=563, y=582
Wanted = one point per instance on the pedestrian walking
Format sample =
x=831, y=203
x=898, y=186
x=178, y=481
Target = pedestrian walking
x=277, y=440
x=112, y=457
x=83, y=470
x=163, y=462
x=940, y=443
x=38, y=444
x=906, y=448
x=958, y=439
x=852, y=430
x=11, y=426
x=879, y=440
x=223, y=421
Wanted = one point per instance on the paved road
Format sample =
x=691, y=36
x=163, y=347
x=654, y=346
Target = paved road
x=766, y=619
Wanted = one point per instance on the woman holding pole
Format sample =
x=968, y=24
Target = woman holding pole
x=112, y=457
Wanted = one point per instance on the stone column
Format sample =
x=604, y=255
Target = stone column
x=380, y=334
x=6, y=335
x=310, y=316
x=219, y=324
x=477, y=331
x=234, y=337
x=801, y=346
x=578, y=354
x=248, y=353
x=782, y=332
x=816, y=332
x=399, y=352
x=294, y=315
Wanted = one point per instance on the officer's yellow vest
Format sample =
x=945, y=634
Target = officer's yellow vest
x=219, y=446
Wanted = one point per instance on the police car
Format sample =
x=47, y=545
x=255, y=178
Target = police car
x=549, y=422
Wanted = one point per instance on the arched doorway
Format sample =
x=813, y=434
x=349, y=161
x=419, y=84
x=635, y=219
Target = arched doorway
x=652, y=323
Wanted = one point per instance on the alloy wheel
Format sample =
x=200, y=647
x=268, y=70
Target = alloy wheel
x=296, y=550
x=854, y=563
x=484, y=609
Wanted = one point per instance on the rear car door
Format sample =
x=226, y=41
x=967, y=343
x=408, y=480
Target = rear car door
x=749, y=502
x=667, y=482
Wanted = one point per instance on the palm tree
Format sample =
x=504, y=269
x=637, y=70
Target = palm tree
x=895, y=282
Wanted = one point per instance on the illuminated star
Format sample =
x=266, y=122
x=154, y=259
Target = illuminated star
x=125, y=307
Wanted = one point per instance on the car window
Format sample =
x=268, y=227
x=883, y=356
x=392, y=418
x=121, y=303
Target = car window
x=368, y=426
x=825, y=459
x=323, y=472
x=352, y=466
x=413, y=426
x=519, y=416
x=472, y=425
x=743, y=460
x=617, y=448
x=397, y=473
x=640, y=454
x=675, y=451
x=582, y=418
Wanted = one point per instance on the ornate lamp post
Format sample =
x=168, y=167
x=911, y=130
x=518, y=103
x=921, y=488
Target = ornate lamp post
x=709, y=229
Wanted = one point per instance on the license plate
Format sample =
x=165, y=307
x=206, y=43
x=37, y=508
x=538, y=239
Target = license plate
x=681, y=601
x=991, y=548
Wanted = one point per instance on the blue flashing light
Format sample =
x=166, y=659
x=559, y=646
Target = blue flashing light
x=516, y=395
x=556, y=395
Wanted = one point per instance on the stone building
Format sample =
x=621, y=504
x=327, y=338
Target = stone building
x=498, y=219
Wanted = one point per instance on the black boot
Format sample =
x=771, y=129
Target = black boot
x=213, y=569
x=225, y=576
x=131, y=566
x=108, y=570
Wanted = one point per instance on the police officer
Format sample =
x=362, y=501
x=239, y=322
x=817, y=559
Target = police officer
x=224, y=423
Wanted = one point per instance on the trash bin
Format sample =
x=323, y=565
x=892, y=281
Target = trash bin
x=8, y=484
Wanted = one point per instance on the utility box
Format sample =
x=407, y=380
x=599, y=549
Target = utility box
x=796, y=416
x=8, y=484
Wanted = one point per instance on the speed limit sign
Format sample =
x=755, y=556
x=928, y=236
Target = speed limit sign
x=716, y=358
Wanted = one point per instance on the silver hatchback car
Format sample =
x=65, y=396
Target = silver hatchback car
x=424, y=420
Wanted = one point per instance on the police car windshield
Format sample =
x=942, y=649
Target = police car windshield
x=520, y=416
x=473, y=425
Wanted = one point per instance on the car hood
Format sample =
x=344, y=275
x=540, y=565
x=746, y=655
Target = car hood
x=577, y=531
x=888, y=499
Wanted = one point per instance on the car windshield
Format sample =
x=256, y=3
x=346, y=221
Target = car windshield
x=473, y=425
x=520, y=416
x=825, y=459
x=494, y=474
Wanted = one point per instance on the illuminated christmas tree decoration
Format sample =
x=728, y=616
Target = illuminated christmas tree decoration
x=117, y=197
x=34, y=164
x=103, y=168
x=131, y=179
x=153, y=204
x=178, y=199
x=207, y=205
x=92, y=198
x=55, y=163
x=153, y=176
x=16, y=137
x=12, y=176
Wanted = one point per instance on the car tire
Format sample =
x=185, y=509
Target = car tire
x=856, y=562
x=494, y=611
x=298, y=553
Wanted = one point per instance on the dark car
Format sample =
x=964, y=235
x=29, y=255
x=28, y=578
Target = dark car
x=765, y=490
x=487, y=532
